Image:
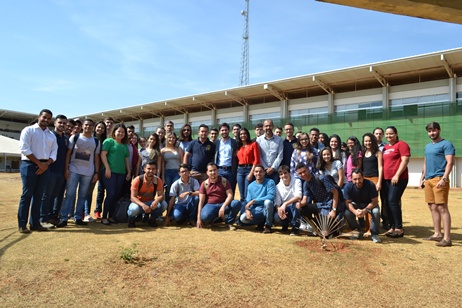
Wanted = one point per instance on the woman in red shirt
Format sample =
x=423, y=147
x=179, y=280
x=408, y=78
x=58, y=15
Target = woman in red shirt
x=395, y=174
x=248, y=155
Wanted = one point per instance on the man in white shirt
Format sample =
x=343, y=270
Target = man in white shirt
x=271, y=151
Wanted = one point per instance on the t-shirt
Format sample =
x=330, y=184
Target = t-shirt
x=178, y=187
x=148, y=190
x=392, y=159
x=371, y=166
x=360, y=196
x=116, y=154
x=83, y=158
x=201, y=154
x=350, y=166
x=284, y=193
x=435, y=157
x=334, y=170
x=215, y=192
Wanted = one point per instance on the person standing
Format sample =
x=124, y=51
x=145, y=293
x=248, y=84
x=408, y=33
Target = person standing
x=39, y=149
x=248, y=156
x=271, y=151
x=438, y=163
x=289, y=144
x=226, y=158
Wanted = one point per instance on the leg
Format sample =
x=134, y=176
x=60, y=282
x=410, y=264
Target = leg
x=436, y=217
x=71, y=190
x=89, y=198
x=232, y=210
x=210, y=212
x=269, y=212
x=84, y=183
x=375, y=223
x=258, y=216
x=29, y=181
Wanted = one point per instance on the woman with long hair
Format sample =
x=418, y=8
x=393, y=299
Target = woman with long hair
x=172, y=156
x=114, y=156
x=335, y=143
x=324, y=139
x=185, y=138
x=303, y=153
x=160, y=131
x=248, y=156
x=372, y=160
x=151, y=152
x=354, y=156
x=395, y=174
x=327, y=165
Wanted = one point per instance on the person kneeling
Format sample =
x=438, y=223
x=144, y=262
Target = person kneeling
x=143, y=196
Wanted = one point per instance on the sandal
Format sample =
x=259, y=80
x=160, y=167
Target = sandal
x=390, y=232
x=396, y=234
x=434, y=238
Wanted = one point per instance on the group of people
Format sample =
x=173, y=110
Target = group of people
x=194, y=181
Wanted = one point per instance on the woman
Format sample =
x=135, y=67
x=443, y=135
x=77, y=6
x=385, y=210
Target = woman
x=354, y=156
x=327, y=165
x=248, y=155
x=324, y=139
x=114, y=156
x=160, y=131
x=172, y=156
x=303, y=153
x=152, y=152
x=372, y=160
x=335, y=143
x=395, y=174
x=100, y=134
x=142, y=143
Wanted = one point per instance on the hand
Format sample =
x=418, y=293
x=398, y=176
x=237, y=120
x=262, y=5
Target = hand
x=221, y=212
x=269, y=171
x=248, y=214
x=129, y=176
x=332, y=214
x=154, y=205
x=199, y=223
x=67, y=174
x=184, y=194
x=249, y=177
x=394, y=180
x=166, y=221
x=282, y=212
x=41, y=167
x=95, y=178
x=107, y=173
x=378, y=186
x=440, y=183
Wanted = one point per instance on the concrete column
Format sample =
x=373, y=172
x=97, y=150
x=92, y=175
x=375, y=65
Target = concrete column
x=330, y=103
x=245, y=114
x=452, y=89
x=141, y=128
x=214, y=117
x=285, y=109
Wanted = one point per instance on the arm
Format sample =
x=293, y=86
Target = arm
x=171, y=203
x=341, y=177
x=66, y=164
x=186, y=157
x=96, y=162
x=199, y=209
x=401, y=168
x=138, y=165
x=447, y=170
x=134, y=199
x=229, y=198
x=424, y=171
x=160, y=197
x=374, y=203
x=333, y=213
x=380, y=168
x=127, y=168
x=106, y=164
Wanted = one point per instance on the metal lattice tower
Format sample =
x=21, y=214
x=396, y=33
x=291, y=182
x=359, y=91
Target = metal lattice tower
x=244, y=74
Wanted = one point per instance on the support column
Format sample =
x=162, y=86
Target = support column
x=214, y=117
x=141, y=128
x=452, y=89
x=185, y=118
x=284, y=110
x=330, y=103
x=245, y=115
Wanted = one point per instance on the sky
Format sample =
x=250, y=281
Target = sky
x=77, y=57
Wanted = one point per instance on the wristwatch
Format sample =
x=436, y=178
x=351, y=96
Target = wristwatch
x=444, y=179
x=334, y=209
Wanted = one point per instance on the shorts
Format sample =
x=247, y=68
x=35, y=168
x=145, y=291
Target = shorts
x=434, y=195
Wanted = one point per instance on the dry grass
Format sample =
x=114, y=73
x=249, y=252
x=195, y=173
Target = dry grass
x=81, y=266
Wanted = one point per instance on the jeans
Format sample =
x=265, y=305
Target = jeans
x=170, y=175
x=394, y=194
x=229, y=175
x=89, y=198
x=51, y=197
x=83, y=182
x=100, y=196
x=353, y=222
x=261, y=213
x=210, y=212
x=113, y=192
x=292, y=217
x=242, y=183
x=183, y=210
x=135, y=210
x=33, y=187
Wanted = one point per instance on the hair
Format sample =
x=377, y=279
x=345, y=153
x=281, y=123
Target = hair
x=169, y=134
x=377, y=129
x=283, y=168
x=258, y=125
x=237, y=125
x=326, y=142
x=46, y=111
x=259, y=166
x=225, y=125
x=357, y=171
x=374, y=145
x=163, y=139
x=104, y=134
x=433, y=125
x=116, y=127
x=203, y=126
x=300, y=166
x=321, y=164
x=109, y=119
x=278, y=127
x=183, y=166
x=131, y=127
x=214, y=130
x=71, y=121
x=89, y=120
x=247, y=140
x=211, y=164
x=314, y=129
x=139, y=139
x=289, y=123
x=61, y=117
x=356, y=150
x=169, y=122
x=394, y=130
x=309, y=150
x=337, y=153
x=151, y=162
x=182, y=136
x=155, y=150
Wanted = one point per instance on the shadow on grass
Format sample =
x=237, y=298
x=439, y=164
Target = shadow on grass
x=10, y=244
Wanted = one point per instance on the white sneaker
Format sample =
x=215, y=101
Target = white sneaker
x=88, y=218
x=376, y=239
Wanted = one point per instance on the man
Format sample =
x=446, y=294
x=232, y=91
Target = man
x=314, y=141
x=38, y=148
x=288, y=194
x=320, y=196
x=69, y=128
x=289, y=142
x=378, y=133
x=271, y=150
x=361, y=197
x=438, y=163
x=77, y=127
x=201, y=152
x=260, y=202
x=147, y=196
x=213, y=135
x=258, y=131
x=54, y=193
x=109, y=121
x=169, y=127
x=81, y=169
x=236, y=129
x=278, y=131
x=216, y=200
x=132, y=158
x=225, y=157
x=184, y=198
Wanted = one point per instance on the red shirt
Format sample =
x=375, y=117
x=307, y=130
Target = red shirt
x=249, y=155
x=392, y=159
x=215, y=192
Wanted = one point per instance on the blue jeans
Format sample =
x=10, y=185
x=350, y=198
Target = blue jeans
x=170, y=175
x=242, y=183
x=183, y=210
x=33, y=187
x=229, y=175
x=135, y=210
x=210, y=212
x=353, y=222
x=113, y=190
x=51, y=197
x=83, y=182
x=293, y=216
x=261, y=213
x=394, y=193
x=100, y=196
x=89, y=198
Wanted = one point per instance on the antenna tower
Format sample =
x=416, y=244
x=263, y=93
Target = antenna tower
x=244, y=74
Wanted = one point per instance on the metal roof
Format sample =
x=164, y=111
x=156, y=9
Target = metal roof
x=17, y=116
x=426, y=67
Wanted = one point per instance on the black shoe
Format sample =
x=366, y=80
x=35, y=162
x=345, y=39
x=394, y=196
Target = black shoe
x=24, y=230
x=267, y=230
x=294, y=231
x=61, y=224
x=131, y=223
x=80, y=222
x=285, y=229
x=152, y=223
x=38, y=228
x=260, y=227
x=54, y=221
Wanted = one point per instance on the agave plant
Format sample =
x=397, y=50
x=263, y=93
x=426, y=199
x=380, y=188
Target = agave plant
x=324, y=227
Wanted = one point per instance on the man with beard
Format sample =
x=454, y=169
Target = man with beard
x=226, y=158
x=271, y=151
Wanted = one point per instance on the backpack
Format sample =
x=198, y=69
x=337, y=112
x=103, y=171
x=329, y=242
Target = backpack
x=207, y=183
x=121, y=207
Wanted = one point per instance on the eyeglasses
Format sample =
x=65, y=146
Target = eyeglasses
x=304, y=139
x=186, y=130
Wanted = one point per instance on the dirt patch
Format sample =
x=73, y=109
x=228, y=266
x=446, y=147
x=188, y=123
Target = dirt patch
x=331, y=246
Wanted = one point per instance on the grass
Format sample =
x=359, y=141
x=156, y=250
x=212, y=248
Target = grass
x=184, y=266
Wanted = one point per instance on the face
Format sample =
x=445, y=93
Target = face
x=60, y=125
x=378, y=133
x=171, y=139
x=314, y=136
x=130, y=133
x=150, y=170
x=109, y=124
x=258, y=131
x=304, y=140
x=278, y=132
x=268, y=127
x=187, y=131
x=390, y=135
x=203, y=132
x=184, y=173
x=152, y=140
x=99, y=129
x=259, y=173
x=143, y=142
x=69, y=128
x=289, y=130
x=304, y=173
x=433, y=133
x=213, y=135
x=161, y=133
x=321, y=138
x=243, y=136
x=284, y=176
x=350, y=144
x=224, y=132
x=119, y=134
x=357, y=179
x=367, y=142
x=326, y=156
x=212, y=172
x=169, y=127
x=88, y=127
x=134, y=139
x=77, y=128
x=236, y=131
x=333, y=143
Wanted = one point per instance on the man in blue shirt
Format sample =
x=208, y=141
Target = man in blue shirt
x=271, y=151
x=438, y=163
x=226, y=159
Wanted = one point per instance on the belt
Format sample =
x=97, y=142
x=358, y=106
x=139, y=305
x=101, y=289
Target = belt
x=246, y=166
x=224, y=168
x=43, y=160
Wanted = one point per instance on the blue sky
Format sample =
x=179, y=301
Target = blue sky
x=83, y=56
